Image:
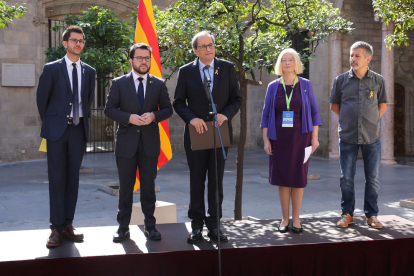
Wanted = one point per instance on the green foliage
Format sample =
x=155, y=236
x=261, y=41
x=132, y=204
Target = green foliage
x=107, y=41
x=8, y=13
x=249, y=33
x=399, y=11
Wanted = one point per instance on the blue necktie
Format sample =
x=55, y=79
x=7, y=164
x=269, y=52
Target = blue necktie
x=75, y=93
x=141, y=92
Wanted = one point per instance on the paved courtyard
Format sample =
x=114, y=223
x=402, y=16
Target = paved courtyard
x=24, y=190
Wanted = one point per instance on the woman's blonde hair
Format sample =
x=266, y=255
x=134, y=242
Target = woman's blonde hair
x=298, y=63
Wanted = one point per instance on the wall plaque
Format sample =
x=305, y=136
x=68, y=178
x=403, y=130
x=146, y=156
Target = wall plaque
x=17, y=74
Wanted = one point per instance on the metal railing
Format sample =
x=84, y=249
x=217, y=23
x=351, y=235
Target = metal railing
x=101, y=132
x=55, y=37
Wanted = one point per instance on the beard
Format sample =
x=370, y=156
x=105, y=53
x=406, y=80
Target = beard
x=142, y=72
x=74, y=51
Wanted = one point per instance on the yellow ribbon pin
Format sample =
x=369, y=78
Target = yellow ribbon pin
x=83, y=71
x=216, y=72
x=371, y=95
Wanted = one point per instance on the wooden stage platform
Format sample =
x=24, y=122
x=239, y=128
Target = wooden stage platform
x=254, y=248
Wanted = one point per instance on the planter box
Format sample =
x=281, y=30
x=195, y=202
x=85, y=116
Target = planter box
x=165, y=212
x=407, y=203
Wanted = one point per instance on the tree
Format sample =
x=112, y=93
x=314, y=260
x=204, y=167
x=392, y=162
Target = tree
x=8, y=13
x=107, y=41
x=399, y=11
x=248, y=33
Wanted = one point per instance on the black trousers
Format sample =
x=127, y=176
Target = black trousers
x=201, y=165
x=127, y=168
x=64, y=158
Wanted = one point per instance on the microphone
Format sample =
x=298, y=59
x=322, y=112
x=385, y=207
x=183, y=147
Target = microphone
x=207, y=75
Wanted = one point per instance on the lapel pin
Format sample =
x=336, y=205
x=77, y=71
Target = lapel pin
x=216, y=72
x=150, y=81
x=371, y=95
x=83, y=71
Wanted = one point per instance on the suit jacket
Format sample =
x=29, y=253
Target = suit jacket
x=310, y=110
x=54, y=98
x=123, y=101
x=190, y=100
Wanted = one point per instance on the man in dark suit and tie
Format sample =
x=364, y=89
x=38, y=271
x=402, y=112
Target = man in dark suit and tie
x=138, y=101
x=192, y=103
x=64, y=96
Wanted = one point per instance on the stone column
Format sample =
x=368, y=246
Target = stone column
x=336, y=69
x=387, y=120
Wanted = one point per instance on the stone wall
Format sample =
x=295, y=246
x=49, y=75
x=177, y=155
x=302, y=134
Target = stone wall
x=367, y=29
x=22, y=42
x=256, y=101
x=321, y=83
x=26, y=39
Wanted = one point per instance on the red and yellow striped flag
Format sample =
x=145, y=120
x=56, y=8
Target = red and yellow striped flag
x=146, y=32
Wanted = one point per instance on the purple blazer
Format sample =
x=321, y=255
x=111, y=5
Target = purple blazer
x=310, y=110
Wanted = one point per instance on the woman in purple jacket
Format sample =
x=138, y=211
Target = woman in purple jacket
x=290, y=123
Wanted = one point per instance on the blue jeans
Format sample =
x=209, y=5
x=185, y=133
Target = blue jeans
x=372, y=159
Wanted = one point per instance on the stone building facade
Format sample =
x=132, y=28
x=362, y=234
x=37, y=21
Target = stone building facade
x=26, y=39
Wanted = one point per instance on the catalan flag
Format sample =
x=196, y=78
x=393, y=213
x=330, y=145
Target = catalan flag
x=146, y=32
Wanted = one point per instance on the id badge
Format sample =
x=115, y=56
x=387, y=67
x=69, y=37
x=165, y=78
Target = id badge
x=287, y=119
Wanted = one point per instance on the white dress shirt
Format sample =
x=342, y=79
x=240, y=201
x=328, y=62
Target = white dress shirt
x=70, y=70
x=210, y=70
x=136, y=81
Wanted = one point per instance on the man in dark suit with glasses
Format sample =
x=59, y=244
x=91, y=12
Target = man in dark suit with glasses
x=138, y=101
x=192, y=103
x=64, y=96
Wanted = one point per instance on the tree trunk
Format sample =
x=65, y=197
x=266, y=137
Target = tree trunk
x=240, y=151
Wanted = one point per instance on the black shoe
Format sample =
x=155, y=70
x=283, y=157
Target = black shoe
x=195, y=236
x=283, y=229
x=213, y=235
x=297, y=230
x=121, y=235
x=152, y=233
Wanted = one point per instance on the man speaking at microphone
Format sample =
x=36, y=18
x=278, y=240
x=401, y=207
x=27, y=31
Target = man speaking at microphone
x=193, y=104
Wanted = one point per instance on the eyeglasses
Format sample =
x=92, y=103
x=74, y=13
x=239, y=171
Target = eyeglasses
x=140, y=59
x=76, y=41
x=204, y=47
x=286, y=60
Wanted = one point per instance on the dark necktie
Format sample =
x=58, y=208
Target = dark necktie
x=205, y=83
x=75, y=95
x=141, y=92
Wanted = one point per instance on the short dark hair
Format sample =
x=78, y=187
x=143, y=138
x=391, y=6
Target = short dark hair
x=368, y=51
x=72, y=29
x=194, y=40
x=140, y=45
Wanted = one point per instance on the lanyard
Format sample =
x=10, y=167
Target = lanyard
x=290, y=97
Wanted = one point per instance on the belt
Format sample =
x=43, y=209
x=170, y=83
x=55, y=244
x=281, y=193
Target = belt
x=70, y=121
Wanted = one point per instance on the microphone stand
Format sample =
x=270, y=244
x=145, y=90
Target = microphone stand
x=208, y=79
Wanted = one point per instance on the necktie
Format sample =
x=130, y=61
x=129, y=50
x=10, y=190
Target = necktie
x=141, y=92
x=205, y=83
x=75, y=95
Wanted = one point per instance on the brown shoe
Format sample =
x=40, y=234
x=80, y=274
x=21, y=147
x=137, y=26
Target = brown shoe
x=54, y=239
x=374, y=222
x=345, y=220
x=70, y=233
